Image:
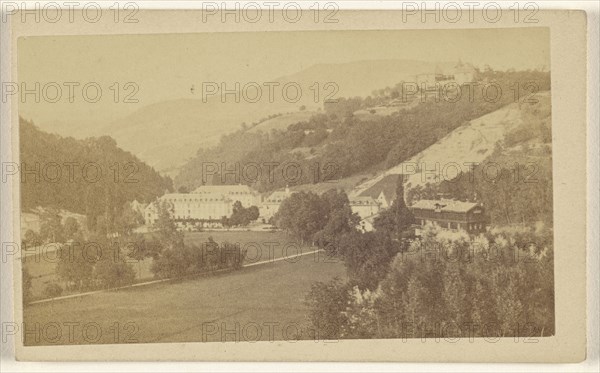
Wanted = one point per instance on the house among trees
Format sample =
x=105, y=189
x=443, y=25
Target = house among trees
x=367, y=224
x=384, y=192
x=449, y=215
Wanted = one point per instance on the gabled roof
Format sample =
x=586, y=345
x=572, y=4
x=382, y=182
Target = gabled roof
x=445, y=205
x=387, y=185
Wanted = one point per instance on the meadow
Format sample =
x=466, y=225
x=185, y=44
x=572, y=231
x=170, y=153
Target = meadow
x=260, y=246
x=263, y=302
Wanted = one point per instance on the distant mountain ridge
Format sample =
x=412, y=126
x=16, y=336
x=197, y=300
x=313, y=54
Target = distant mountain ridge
x=168, y=133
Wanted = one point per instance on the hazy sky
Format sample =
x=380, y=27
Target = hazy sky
x=165, y=66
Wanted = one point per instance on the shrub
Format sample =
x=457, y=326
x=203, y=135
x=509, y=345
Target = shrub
x=52, y=290
x=194, y=259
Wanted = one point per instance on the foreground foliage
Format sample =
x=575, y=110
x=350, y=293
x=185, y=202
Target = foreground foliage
x=499, y=285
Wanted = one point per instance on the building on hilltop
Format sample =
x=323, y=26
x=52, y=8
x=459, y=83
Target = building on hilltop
x=450, y=215
x=460, y=73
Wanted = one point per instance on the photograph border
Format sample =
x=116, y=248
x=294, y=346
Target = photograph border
x=568, y=74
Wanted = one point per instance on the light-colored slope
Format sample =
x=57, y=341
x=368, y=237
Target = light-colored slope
x=470, y=143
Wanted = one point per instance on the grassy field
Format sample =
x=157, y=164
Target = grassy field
x=263, y=302
x=260, y=246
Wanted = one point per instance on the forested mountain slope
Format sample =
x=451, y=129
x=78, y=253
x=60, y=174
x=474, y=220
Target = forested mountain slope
x=336, y=145
x=92, y=176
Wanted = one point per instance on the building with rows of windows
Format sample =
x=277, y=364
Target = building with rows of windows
x=450, y=215
x=206, y=204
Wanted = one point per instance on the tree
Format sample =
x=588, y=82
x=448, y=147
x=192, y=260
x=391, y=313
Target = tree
x=75, y=264
x=397, y=220
x=225, y=222
x=140, y=249
x=52, y=290
x=241, y=216
x=367, y=257
x=340, y=221
x=51, y=228
x=303, y=214
x=31, y=239
x=252, y=213
x=128, y=220
x=113, y=272
x=71, y=227
x=168, y=235
x=326, y=303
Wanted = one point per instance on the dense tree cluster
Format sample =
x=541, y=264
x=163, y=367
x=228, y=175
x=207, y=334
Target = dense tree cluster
x=498, y=286
x=192, y=259
x=317, y=219
x=96, y=263
x=241, y=216
x=174, y=258
x=328, y=222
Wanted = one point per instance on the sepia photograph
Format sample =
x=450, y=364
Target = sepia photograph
x=288, y=188
x=335, y=190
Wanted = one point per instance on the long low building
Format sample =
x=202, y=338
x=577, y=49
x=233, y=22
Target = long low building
x=450, y=215
x=208, y=203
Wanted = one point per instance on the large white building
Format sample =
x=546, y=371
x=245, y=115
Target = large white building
x=208, y=203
